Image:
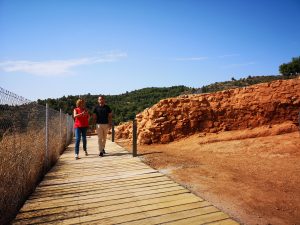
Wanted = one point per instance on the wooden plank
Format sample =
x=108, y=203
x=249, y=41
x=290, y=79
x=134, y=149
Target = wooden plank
x=169, y=215
x=104, y=185
x=95, y=203
x=114, y=208
x=81, y=199
x=152, y=216
x=100, y=214
x=224, y=222
x=200, y=219
x=96, y=190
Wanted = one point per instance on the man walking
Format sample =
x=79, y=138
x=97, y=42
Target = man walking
x=103, y=116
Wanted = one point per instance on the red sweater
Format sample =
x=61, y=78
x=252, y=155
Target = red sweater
x=82, y=120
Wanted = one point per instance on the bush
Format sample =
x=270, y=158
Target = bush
x=291, y=68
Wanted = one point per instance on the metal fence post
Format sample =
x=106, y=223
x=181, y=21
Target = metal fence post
x=46, y=136
x=60, y=125
x=72, y=127
x=134, y=138
x=112, y=131
x=67, y=126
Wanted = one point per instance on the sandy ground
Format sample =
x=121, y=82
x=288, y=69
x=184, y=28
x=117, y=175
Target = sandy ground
x=254, y=179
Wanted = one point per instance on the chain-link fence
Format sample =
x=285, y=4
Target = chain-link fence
x=32, y=137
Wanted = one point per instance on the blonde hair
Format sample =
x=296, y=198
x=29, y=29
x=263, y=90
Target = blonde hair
x=80, y=102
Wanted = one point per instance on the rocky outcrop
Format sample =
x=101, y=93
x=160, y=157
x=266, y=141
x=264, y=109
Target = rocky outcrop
x=263, y=104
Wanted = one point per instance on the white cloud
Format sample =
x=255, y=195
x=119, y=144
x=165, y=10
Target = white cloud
x=191, y=59
x=228, y=55
x=57, y=67
x=239, y=64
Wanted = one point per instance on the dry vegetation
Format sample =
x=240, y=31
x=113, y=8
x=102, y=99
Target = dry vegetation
x=22, y=164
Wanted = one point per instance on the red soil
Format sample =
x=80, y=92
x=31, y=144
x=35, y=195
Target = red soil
x=253, y=175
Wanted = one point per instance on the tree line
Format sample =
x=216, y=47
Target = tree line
x=124, y=106
x=242, y=82
x=288, y=71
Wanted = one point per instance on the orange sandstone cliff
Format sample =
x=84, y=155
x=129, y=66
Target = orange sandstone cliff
x=235, y=109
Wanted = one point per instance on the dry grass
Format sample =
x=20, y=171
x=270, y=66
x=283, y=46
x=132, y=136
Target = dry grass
x=23, y=163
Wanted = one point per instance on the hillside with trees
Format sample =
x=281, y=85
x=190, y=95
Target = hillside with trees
x=288, y=71
x=124, y=106
x=243, y=82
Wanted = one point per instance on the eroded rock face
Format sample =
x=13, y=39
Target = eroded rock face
x=263, y=104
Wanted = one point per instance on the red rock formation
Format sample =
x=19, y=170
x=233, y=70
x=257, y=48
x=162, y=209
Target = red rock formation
x=249, y=107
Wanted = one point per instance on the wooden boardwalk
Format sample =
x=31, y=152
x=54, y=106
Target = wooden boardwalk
x=115, y=189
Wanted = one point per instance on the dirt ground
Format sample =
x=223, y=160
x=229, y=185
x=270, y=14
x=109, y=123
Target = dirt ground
x=253, y=175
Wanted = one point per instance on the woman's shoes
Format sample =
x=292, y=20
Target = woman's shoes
x=77, y=156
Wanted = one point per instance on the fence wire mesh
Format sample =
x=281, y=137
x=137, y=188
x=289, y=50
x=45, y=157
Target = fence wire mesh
x=31, y=139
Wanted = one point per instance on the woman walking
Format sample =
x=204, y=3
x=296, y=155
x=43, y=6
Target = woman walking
x=81, y=124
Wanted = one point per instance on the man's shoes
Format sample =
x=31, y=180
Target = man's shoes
x=104, y=151
x=76, y=156
x=86, y=153
x=101, y=154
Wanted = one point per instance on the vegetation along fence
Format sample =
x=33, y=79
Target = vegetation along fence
x=32, y=137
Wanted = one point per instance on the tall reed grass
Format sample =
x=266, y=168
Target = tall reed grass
x=25, y=156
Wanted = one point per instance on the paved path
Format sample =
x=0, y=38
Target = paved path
x=115, y=189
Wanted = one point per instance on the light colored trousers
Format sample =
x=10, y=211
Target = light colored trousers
x=102, y=130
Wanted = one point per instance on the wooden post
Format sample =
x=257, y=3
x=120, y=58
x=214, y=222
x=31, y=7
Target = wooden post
x=112, y=131
x=134, y=138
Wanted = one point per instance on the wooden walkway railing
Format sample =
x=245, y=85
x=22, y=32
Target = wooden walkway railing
x=115, y=189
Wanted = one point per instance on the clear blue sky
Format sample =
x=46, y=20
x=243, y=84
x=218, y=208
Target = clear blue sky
x=52, y=48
